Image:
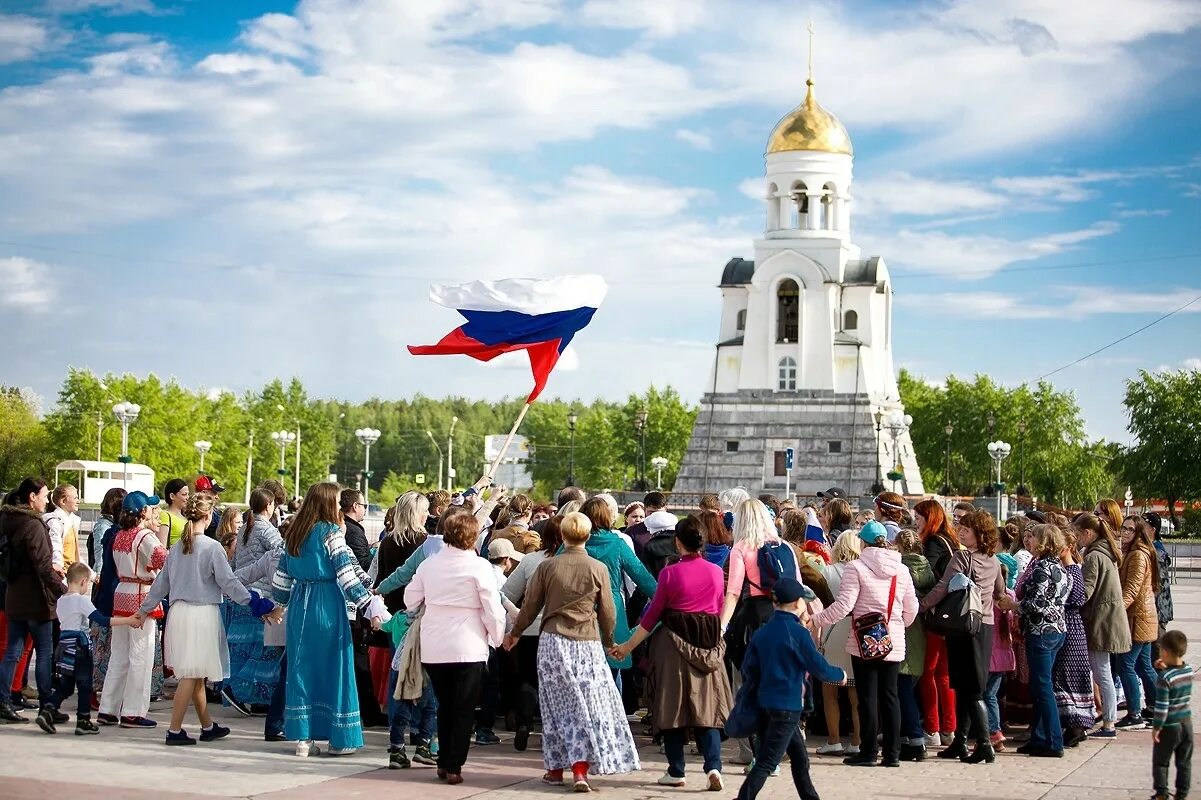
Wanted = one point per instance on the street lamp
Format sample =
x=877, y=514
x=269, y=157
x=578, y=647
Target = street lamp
x=999, y=451
x=572, y=419
x=450, y=455
x=295, y=438
x=897, y=424
x=250, y=462
x=368, y=436
x=283, y=439
x=946, y=479
x=640, y=461
x=878, y=486
x=1022, y=490
x=126, y=414
x=660, y=464
x=439, y=449
x=202, y=447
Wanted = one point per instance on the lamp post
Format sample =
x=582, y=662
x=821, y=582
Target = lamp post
x=946, y=480
x=450, y=455
x=998, y=451
x=1022, y=490
x=572, y=419
x=897, y=424
x=439, y=449
x=202, y=447
x=991, y=422
x=640, y=460
x=283, y=439
x=126, y=414
x=368, y=436
x=249, y=465
x=878, y=486
x=660, y=464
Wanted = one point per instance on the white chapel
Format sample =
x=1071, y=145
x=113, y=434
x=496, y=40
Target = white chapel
x=804, y=352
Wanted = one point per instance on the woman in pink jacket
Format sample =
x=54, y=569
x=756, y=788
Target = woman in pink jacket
x=878, y=583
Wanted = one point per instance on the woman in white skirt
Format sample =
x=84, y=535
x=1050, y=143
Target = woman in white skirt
x=195, y=577
x=584, y=726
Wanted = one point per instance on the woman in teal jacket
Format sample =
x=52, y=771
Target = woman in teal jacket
x=618, y=557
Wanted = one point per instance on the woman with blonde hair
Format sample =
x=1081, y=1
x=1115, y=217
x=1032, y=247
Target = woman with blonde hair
x=1139, y=574
x=584, y=726
x=833, y=645
x=753, y=528
x=316, y=577
x=196, y=576
x=1041, y=595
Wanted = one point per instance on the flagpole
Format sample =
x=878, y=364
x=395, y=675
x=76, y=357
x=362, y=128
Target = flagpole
x=509, y=439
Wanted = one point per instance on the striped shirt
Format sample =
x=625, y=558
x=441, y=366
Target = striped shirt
x=1173, y=692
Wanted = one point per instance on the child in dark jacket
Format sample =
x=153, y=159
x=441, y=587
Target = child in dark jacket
x=779, y=656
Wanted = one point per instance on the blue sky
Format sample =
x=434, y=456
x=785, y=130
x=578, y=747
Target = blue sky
x=229, y=192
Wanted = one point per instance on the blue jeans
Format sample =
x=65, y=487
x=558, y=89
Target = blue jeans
x=422, y=715
x=81, y=679
x=1045, y=731
x=911, y=711
x=1138, y=678
x=708, y=741
x=779, y=733
x=43, y=646
x=274, y=724
x=991, y=705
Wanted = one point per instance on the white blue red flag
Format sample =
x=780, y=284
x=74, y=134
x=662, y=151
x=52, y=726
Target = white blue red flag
x=539, y=316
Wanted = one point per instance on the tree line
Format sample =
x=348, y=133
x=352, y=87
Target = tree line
x=1052, y=456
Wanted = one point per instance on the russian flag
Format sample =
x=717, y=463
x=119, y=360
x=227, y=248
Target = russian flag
x=539, y=316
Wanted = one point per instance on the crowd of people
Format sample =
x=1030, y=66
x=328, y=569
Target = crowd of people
x=889, y=631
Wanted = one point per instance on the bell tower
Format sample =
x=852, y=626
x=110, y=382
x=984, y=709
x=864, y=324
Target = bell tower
x=804, y=353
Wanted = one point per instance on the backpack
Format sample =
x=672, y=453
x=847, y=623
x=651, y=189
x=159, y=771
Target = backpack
x=776, y=560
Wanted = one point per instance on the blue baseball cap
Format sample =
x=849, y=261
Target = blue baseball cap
x=873, y=531
x=136, y=501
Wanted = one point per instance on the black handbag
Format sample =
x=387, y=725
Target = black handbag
x=961, y=612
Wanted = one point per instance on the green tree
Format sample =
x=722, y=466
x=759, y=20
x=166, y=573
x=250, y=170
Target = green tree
x=1061, y=464
x=1165, y=419
x=23, y=441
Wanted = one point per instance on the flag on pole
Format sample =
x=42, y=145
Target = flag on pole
x=539, y=316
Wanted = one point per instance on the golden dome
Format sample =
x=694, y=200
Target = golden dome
x=809, y=127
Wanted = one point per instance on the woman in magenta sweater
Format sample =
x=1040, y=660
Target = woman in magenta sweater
x=687, y=684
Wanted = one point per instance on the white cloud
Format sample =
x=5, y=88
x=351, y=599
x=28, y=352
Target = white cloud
x=1059, y=303
x=107, y=6
x=26, y=283
x=973, y=256
x=21, y=38
x=903, y=194
x=1144, y=212
x=701, y=141
x=658, y=18
x=1191, y=364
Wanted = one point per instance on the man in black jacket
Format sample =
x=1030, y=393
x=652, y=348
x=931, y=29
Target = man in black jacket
x=353, y=511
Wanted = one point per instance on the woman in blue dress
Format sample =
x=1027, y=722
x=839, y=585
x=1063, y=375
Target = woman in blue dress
x=317, y=576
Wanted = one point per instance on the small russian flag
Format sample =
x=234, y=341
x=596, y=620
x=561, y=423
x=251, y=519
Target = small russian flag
x=539, y=316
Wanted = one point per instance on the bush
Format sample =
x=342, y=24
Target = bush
x=1191, y=521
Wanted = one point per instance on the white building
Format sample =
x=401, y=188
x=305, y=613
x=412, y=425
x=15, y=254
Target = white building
x=804, y=353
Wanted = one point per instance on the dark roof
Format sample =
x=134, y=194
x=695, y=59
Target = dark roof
x=738, y=271
x=865, y=271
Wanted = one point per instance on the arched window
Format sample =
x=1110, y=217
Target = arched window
x=787, y=381
x=788, y=312
x=740, y=322
x=829, y=198
x=852, y=321
x=800, y=204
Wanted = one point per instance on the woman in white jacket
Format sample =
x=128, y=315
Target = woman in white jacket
x=878, y=583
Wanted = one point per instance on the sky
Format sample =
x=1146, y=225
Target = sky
x=232, y=191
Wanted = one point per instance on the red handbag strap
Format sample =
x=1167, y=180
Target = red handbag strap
x=892, y=595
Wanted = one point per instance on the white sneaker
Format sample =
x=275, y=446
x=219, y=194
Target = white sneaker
x=831, y=749
x=304, y=749
x=946, y=738
x=670, y=780
x=852, y=750
x=715, y=782
x=933, y=740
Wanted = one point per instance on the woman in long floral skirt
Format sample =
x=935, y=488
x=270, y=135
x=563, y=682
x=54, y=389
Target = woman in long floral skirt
x=584, y=726
x=1072, y=677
